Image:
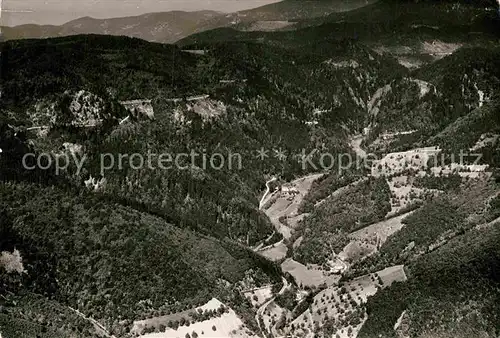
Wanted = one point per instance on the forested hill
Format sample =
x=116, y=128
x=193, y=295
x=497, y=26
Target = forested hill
x=82, y=235
x=398, y=28
x=44, y=77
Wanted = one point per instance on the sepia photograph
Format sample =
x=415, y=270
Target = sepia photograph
x=250, y=169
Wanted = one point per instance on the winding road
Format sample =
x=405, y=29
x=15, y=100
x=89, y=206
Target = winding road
x=262, y=309
x=268, y=190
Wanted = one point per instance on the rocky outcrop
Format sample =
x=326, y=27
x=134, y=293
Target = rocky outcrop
x=204, y=107
x=77, y=109
x=139, y=108
x=95, y=184
x=12, y=262
x=401, y=327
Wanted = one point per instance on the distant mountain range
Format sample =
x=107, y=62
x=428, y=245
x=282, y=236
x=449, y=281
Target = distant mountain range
x=156, y=27
x=169, y=27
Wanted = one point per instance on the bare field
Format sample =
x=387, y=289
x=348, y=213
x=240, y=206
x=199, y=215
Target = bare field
x=274, y=252
x=267, y=26
x=358, y=249
x=472, y=171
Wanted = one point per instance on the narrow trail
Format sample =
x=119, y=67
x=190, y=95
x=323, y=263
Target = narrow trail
x=488, y=225
x=38, y=127
x=48, y=127
x=260, y=246
x=98, y=326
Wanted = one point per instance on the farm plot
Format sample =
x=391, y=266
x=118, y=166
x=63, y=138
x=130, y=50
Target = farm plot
x=404, y=193
x=367, y=241
x=342, y=308
x=395, y=163
x=311, y=275
x=284, y=204
x=471, y=171
x=272, y=314
x=357, y=250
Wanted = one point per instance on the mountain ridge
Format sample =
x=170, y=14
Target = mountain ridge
x=169, y=27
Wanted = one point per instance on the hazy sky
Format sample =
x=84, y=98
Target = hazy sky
x=56, y=12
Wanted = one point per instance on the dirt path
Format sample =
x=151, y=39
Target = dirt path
x=260, y=246
x=271, y=246
x=99, y=328
x=262, y=309
x=488, y=225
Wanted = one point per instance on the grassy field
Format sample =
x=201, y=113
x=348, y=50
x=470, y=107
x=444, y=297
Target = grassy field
x=227, y=325
x=312, y=276
x=397, y=162
x=284, y=205
x=382, y=229
x=259, y=296
x=274, y=252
